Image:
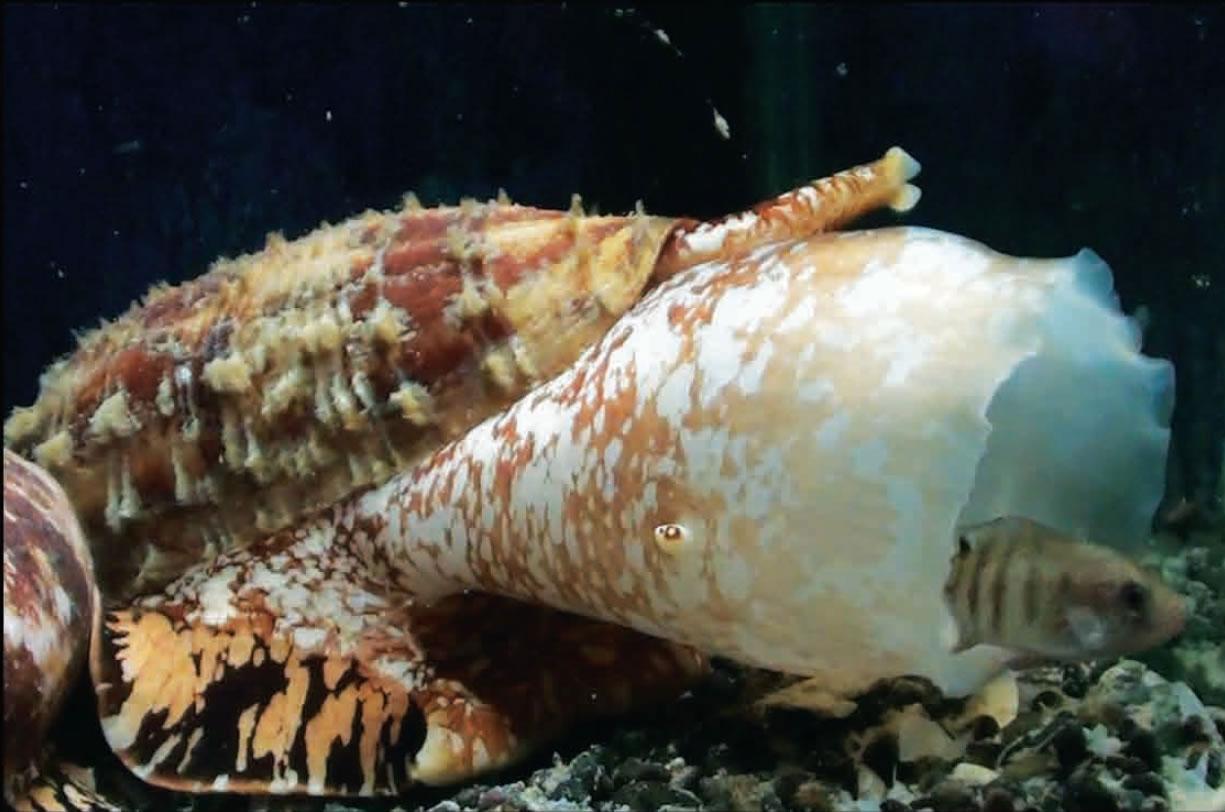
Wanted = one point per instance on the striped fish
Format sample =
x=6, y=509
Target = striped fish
x=1028, y=588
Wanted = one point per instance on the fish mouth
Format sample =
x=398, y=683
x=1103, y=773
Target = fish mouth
x=1178, y=619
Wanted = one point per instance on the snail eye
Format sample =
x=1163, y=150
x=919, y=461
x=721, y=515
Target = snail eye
x=1133, y=596
x=670, y=537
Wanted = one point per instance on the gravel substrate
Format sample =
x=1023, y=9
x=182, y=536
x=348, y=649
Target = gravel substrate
x=1125, y=735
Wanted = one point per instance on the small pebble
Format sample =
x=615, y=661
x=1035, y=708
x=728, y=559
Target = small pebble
x=1127, y=764
x=986, y=753
x=812, y=796
x=497, y=797
x=788, y=781
x=719, y=755
x=881, y=756
x=1194, y=731
x=973, y=775
x=685, y=777
x=1047, y=699
x=1148, y=783
x=1075, y=683
x=950, y=796
x=648, y=796
x=635, y=769
x=1143, y=745
x=469, y=797
x=1085, y=794
x=1069, y=745
x=998, y=799
x=984, y=727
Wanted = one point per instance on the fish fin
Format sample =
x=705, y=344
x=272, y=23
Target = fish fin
x=1087, y=626
x=963, y=644
x=953, y=639
x=279, y=668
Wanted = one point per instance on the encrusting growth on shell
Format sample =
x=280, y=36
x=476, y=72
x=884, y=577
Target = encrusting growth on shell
x=300, y=373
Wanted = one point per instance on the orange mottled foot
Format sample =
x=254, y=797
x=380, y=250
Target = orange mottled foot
x=57, y=785
x=279, y=670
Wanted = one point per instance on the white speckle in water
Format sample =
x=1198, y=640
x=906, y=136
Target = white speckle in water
x=842, y=70
x=721, y=125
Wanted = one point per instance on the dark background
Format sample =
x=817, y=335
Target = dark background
x=140, y=143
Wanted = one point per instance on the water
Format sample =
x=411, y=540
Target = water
x=141, y=143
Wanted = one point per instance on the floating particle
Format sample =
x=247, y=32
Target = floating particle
x=721, y=125
x=842, y=70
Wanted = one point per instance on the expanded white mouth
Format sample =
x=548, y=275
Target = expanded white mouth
x=1080, y=429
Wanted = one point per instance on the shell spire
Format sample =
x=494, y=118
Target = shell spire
x=821, y=205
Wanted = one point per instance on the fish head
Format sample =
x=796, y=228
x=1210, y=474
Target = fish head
x=1113, y=607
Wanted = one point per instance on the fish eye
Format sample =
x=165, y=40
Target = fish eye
x=1133, y=596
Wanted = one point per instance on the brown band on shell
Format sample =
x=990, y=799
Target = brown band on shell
x=49, y=604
